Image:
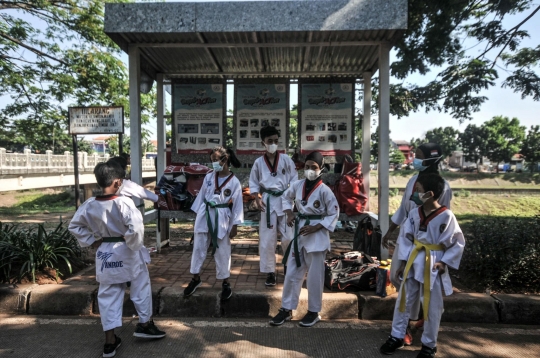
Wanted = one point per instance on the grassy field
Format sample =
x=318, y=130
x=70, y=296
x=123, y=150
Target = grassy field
x=36, y=201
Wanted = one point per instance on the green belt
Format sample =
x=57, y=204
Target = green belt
x=270, y=193
x=294, y=241
x=113, y=239
x=213, y=230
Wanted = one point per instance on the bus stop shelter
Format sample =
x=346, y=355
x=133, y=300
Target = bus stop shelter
x=289, y=40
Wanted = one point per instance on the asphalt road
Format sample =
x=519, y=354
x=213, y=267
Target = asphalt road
x=31, y=336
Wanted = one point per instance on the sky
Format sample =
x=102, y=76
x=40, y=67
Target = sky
x=501, y=101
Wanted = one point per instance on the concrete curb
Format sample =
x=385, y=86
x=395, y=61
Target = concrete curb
x=170, y=302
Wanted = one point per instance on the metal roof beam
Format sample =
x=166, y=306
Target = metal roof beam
x=209, y=52
x=273, y=44
x=268, y=74
x=262, y=65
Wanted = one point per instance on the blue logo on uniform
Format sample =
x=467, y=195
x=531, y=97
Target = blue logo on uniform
x=104, y=256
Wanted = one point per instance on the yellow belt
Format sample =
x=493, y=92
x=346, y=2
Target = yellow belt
x=427, y=274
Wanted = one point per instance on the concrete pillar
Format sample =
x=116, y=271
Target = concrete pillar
x=68, y=156
x=161, y=138
x=49, y=155
x=366, y=132
x=83, y=160
x=2, y=157
x=384, y=139
x=27, y=153
x=135, y=116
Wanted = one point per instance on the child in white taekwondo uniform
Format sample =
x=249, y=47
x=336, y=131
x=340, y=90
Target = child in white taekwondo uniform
x=427, y=159
x=219, y=209
x=133, y=189
x=431, y=242
x=271, y=175
x=318, y=213
x=118, y=224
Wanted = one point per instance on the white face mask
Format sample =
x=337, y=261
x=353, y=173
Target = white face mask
x=271, y=148
x=423, y=197
x=217, y=167
x=312, y=174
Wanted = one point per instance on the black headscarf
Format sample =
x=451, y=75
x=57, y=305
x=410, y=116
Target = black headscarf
x=432, y=157
x=319, y=159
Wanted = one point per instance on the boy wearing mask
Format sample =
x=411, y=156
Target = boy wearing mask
x=270, y=176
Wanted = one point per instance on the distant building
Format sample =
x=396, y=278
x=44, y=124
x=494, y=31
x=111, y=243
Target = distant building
x=405, y=148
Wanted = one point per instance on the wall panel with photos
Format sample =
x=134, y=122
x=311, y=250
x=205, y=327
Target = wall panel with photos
x=199, y=121
x=257, y=105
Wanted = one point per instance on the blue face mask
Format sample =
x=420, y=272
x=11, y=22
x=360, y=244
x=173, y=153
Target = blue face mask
x=417, y=164
x=217, y=167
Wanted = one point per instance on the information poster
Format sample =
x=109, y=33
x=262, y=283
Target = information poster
x=326, y=117
x=259, y=106
x=96, y=120
x=198, y=117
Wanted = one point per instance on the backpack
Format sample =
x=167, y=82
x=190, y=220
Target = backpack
x=353, y=270
x=349, y=190
x=367, y=238
x=179, y=186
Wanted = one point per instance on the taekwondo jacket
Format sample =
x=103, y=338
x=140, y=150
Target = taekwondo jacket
x=261, y=176
x=438, y=228
x=112, y=216
x=210, y=191
x=321, y=201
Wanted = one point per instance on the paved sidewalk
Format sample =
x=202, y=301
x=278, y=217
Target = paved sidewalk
x=41, y=336
x=170, y=268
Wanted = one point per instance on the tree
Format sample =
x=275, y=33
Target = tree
x=84, y=146
x=293, y=128
x=531, y=147
x=435, y=36
x=396, y=156
x=473, y=143
x=504, y=138
x=446, y=137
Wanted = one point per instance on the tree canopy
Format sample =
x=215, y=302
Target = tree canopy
x=436, y=36
x=531, y=147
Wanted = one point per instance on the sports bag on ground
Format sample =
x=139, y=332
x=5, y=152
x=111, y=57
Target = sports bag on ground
x=353, y=270
x=349, y=190
x=367, y=238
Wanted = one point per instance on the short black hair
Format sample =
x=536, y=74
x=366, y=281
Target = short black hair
x=432, y=182
x=107, y=172
x=120, y=161
x=268, y=131
x=125, y=156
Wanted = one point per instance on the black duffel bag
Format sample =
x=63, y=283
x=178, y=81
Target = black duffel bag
x=352, y=270
x=367, y=238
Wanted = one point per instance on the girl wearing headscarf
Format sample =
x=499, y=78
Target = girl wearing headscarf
x=317, y=216
x=426, y=161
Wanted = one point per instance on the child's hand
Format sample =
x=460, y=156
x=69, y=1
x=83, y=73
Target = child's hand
x=399, y=272
x=290, y=219
x=260, y=205
x=310, y=229
x=234, y=232
x=96, y=243
x=439, y=266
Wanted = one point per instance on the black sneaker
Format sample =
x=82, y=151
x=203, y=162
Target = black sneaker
x=270, y=279
x=148, y=331
x=109, y=350
x=226, y=291
x=310, y=319
x=391, y=345
x=282, y=316
x=192, y=287
x=427, y=352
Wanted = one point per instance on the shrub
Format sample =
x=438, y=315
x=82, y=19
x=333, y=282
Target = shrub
x=503, y=253
x=463, y=193
x=394, y=192
x=23, y=252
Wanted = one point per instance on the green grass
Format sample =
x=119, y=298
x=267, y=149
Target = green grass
x=32, y=202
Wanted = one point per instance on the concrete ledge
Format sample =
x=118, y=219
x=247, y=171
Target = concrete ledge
x=471, y=308
x=518, y=309
x=203, y=303
x=15, y=299
x=61, y=300
x=128, y=308
x=373, y=307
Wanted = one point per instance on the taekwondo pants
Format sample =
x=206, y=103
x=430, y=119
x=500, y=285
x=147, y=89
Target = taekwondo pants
x=268, y=240
x=201, y=242
x=415, y=308
x=313, y=263
x=111, y=300
x=414, y=290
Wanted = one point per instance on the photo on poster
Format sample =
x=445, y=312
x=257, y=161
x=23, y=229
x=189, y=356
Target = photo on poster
x=254, y=134
x=332, y=126
x=254, y=122
x=332, y=138
x=321, y=126
x=214, y=140
x=322, y=138
x=244, y=123
x=310, y=138
x=275, y=122
x=265, y=123
x=343, y=138
x=342, y=126
x=310, y=127
x=243, y=134
x=210, y=128
x=188, y=128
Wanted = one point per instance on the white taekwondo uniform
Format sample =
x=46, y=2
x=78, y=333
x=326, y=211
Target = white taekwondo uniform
x=265, y=179
x=113, y=216
x=131, y=189
x=222, y=191
x=311, y=248
x=400, y=217
x=438, y=228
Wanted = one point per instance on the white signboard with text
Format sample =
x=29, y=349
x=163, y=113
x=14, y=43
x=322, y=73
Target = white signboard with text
x=96, y=120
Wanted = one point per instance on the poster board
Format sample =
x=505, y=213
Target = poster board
x=326, y=112
x=258, y=105
x=198, y=117
x=96, y=120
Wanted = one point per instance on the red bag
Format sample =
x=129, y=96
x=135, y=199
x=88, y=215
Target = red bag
x=349, y=190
